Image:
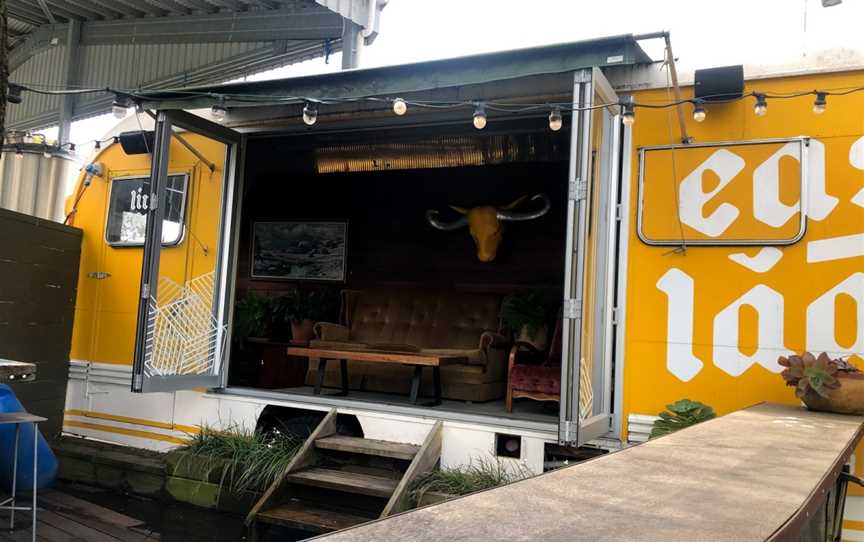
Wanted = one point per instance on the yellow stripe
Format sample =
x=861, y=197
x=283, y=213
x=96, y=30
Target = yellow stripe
x=124, y=431
x=136, y=421
x=853, y=525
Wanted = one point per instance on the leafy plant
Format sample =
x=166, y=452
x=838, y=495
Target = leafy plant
x=524, y=310
x=807, y=372
x=679, y=415
x=479, y=474
x=250, y=460
x=250, y=316
x=299, y=305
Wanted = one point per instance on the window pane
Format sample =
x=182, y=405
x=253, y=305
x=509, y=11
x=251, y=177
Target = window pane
x=127, y=211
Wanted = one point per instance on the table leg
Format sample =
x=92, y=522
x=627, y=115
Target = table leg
x=436, y=377
x=415, y=383
x=14, y=477
x=35, y=472
x=322, y=366
x=343, y=369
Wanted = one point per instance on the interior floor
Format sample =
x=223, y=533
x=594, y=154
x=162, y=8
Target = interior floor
x=523, y=409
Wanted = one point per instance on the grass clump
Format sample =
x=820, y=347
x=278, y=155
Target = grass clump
x=250, y=461
x=477, y=475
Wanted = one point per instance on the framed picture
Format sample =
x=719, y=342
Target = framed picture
x=299, y=250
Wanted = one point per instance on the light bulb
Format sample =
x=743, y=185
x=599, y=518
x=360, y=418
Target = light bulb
x=698, y=111
x=310, y=114
x=555, y=119
x=761, y=107
x=118, y=108
x=218, y=112
x=46, y=153
x=820, y=103
x=479, y=117
x=628, y=111
x=97, y=145
x=19, y=154
x=400, y=107
x=71, y=147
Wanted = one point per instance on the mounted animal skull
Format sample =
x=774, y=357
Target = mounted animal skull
x=484, y=222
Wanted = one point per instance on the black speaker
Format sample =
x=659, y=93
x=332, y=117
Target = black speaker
x=138, y=142
x=718, y=84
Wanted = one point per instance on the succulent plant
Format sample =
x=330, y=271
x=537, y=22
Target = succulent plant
x=679, y=415
x=807, y=372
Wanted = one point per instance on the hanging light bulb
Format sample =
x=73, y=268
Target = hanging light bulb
x=400, y=107
x=219, y=112
x=71, y=147
x=139, y=107
x=46, y=152
x=97, y=145
x=628, y=111
x=479, y=116
x=820, y=103
x=698, y=111
x=310, y=114
x=119, y=107
x=555, y=119
x=19, y=154
x=761, y=107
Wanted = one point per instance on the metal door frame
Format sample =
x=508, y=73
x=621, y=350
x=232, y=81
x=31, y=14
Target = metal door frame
x=166, y=120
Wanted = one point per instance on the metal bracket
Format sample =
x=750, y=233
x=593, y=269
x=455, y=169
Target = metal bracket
x=568, y=431
x=145, y=290
x=615, y=316
x=154, y=202
x=619, y=210
x=573, y=309
x=846, y=477
x=577, y=190
x=98, y=275
x=137, y=381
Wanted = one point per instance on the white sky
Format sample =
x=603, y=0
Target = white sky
x=704, y=33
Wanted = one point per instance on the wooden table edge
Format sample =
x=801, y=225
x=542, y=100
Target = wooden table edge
x=376, y=356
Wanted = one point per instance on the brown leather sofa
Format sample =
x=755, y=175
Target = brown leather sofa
x=439, y=322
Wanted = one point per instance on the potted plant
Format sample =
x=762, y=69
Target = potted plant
x=525, y=315
x=300, y=309
x=250, y=317
x=825, y=384
x=679, y=415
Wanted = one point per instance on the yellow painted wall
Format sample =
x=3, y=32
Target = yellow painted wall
x=106, y=309
x=835, y=228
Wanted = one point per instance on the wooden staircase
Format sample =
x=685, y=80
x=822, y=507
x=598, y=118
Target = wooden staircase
x=338, y=481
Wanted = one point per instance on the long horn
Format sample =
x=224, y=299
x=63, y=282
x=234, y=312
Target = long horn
x=506, y=214
x=432, y=218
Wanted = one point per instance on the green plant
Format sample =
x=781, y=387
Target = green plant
x=250, y=460
x=250, y=316
x=299, y=305
x=679, y=415
x=479, y=474
x=524, y=310
x=807, y=372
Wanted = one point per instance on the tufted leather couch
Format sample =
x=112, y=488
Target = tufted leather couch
x=427, y=321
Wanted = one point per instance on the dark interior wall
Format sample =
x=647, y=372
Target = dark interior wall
x=38, y=280
x=390, y=243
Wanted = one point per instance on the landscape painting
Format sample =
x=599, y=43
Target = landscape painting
x=299, y=250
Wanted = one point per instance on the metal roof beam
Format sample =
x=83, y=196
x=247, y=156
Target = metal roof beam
x=248, y=26
x=86, y=6
x=120, y=9
x=172, y=6
x=72, y=11
x=142, y=7
x=26, y=13
x=47, y=12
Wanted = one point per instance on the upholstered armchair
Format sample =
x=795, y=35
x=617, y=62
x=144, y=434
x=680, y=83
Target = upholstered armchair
x=541, y=382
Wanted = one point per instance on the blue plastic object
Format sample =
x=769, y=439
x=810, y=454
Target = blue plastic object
x=47, y=462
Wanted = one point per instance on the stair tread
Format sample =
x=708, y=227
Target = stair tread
x=351, y=482
x=381, y=448
x=306, y=516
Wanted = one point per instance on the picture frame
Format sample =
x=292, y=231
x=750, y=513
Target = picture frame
x=305, y=251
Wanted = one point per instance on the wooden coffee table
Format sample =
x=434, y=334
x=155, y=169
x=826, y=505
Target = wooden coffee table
x=414, y=359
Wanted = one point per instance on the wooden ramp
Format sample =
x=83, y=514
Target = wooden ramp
x=338, y=481
x=769, y=472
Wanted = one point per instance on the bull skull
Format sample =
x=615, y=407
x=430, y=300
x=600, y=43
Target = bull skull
x=484, y=222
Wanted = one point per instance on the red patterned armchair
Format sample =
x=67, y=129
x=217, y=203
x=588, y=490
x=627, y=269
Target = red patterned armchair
x=539, y=382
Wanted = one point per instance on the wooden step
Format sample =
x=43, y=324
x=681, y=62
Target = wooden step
x=380, y=448
x=350, y=482
x=308, y=517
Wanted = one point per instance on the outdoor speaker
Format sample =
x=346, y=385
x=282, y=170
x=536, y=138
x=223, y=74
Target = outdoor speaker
x=718, y=84
x=138, y=142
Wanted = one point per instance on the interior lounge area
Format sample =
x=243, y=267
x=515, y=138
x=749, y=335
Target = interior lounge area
x=414, y=267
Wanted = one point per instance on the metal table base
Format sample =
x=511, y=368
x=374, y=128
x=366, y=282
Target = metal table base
x=18, y=418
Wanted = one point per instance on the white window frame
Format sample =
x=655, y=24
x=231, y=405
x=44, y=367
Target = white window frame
x=183, y=204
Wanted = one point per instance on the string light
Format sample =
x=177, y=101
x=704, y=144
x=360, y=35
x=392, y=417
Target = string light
x=119, y=107
x=479, y=116
x=400, y=107
x=820, y=103
x=556, y=121
x=310, y=113
x=46, y=152
x=97, y=145
x=698, y=111
x=19, y=154
x=628, y=111
x=219, y=111
x=761, y=107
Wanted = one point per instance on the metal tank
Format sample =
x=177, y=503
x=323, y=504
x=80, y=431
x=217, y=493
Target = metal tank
x=34, y=177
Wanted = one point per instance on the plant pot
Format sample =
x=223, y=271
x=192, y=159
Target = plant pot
x=847, y=399
x=302, y=330
x=538, y=339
